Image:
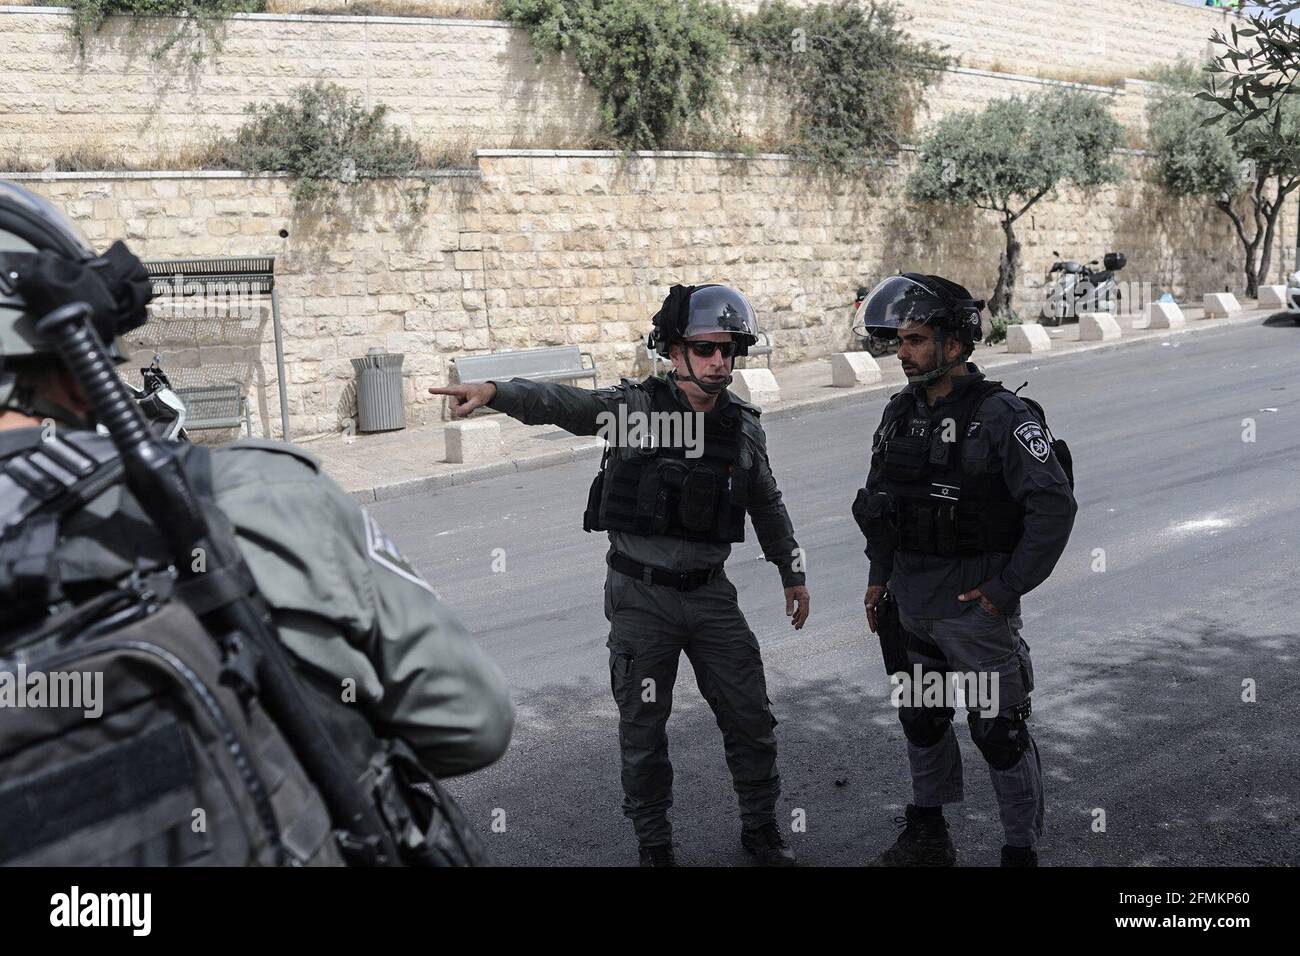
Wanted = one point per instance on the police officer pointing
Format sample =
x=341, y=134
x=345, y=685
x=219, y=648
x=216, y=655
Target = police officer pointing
x=969, y=509
x=672, y=515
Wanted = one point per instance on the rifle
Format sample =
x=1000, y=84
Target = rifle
x=228, y=603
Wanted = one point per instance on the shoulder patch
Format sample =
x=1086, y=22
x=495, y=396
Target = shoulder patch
x=384, y=552
x=1031, y=436
x=283, y=448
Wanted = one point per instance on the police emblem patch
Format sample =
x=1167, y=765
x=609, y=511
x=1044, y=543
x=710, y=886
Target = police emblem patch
x=1032, y=437
x=383, y=551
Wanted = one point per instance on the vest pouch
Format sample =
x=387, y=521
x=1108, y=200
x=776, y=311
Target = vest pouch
x=591, y=517
x=697, y=508
x=906, y=458
x=656, y=495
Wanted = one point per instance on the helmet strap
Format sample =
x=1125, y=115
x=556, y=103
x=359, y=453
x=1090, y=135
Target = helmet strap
x=926, y=379
x=713, y=389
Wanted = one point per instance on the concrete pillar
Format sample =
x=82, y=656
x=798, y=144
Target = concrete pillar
x=853, y=368
x=1098, y=327
x=1165, y=315
x=1221, y=305
x=1272, y=297
x=473, y=440
x=1028, y=338
x=756, y=386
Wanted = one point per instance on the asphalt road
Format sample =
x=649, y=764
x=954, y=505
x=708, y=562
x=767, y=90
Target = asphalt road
x=1138, y=710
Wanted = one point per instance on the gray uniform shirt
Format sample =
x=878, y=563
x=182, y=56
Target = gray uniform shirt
x=576, y=410
x=926, y=585
x=343, y=597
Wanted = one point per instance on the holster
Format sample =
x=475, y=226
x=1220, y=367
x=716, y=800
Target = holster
x=893, y=637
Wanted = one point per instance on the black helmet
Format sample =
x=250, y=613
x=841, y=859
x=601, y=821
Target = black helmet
x=929, y=300
x=47, y=261
x=691, y=310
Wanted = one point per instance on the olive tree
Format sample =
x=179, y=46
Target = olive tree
x=1246, y=167
x=1006, y=157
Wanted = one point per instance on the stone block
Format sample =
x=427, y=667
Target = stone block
x=472, y=441
x=853, y=368
x=1027, y=338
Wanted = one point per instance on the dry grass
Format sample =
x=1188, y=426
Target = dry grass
x=1089, y=77
x=439, y=9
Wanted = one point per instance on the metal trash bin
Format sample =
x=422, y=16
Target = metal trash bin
x=379, y=391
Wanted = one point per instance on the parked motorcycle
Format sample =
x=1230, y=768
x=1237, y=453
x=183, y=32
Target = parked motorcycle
x=162, y=407
x=1079, y=288
x=876, y=346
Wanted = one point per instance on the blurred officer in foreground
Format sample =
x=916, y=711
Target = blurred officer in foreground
x=184, y=765
x=967, y=507
x=673, y=513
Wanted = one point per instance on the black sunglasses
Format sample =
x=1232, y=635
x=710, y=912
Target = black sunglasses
x=706, y=349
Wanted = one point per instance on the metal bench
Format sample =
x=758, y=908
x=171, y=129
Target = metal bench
x=559, y=363
x=763, y=347
x=215, y=406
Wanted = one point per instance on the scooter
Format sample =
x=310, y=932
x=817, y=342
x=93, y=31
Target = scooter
x=1081, y=289
x=162, y=407
x=872, y=344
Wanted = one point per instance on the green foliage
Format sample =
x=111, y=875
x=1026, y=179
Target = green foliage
x=1014, y=152
x=191, y=15
x=997, y=330
x=1192, y=158
x=1256, y=70
x=663, y=67
x=655, y=64
x=1250, y=164
x=852, y=74
x=324, y=136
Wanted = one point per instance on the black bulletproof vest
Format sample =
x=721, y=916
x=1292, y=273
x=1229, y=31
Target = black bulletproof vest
x=939, y=508
x=657, y=490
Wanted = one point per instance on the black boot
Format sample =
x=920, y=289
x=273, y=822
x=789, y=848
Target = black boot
x=767, y=845
x=1019, y=856
x=657, y=854
x=923, y=842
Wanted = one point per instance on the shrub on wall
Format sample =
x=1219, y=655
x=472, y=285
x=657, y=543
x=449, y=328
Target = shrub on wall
x=324, y=136
x=655, y=64
x=851, y=73
x=204, y=15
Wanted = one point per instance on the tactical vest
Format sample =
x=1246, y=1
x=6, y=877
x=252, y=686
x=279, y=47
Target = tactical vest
x=182, y=766
x=938, y=507
x=659, y=490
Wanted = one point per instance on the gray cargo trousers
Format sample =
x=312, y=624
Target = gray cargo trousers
x=650, y=625
x=977, y=642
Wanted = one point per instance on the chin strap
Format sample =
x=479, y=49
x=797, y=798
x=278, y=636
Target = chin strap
x=926, y=379
x=690, y=373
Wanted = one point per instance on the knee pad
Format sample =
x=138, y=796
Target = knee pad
x=1001, y=739
x=925, y=726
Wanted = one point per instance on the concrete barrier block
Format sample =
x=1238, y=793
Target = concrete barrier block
x=1272, y=297
x=853, y=368
x=1027, y=338
x=756, y=385
x=1221, y=304
x=1165, y=315
x=1098, y=327
x=473, y=441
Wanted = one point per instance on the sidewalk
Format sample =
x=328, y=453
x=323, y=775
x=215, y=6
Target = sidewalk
x=413, y=461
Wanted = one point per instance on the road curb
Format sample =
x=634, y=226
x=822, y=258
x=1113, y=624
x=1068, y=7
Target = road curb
x=466, y=476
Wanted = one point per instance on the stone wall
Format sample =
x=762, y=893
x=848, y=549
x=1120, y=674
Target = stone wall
x=465, y=84
x=540, y=248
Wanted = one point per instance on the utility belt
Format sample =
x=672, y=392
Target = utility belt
x=647, y=574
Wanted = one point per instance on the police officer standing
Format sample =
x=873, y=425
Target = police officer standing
x=672, y=515
x=971, y=509
x=342, y=598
